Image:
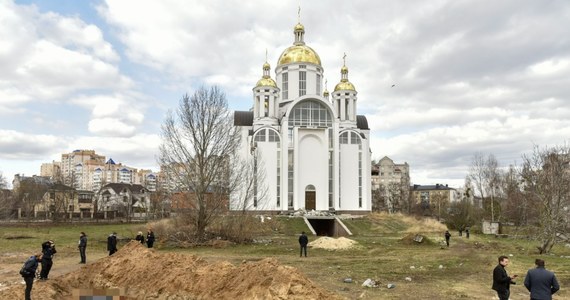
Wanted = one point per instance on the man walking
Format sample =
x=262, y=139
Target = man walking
x=303, y=241
x=112, y=243
x=28, y=271
x=502, y=281
x=447, y=237
x=82, y=245
x=541, y=283
x=48, y=250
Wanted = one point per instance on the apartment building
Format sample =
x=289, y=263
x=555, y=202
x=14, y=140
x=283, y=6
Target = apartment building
x=390, y=184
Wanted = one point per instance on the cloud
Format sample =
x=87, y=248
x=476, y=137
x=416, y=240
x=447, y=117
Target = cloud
x=18, y=145
x=46, y=57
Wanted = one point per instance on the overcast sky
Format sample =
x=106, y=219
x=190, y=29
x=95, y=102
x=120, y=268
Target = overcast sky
x=469, y=76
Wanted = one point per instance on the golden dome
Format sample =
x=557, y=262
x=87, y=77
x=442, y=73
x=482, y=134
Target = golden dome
x=344, y=86
x=299, y=27
x=299, y=53
x=266, y=82
x=266, y=79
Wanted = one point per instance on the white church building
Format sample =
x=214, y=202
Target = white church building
x=313, y=147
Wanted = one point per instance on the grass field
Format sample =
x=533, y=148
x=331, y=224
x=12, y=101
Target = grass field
x=385, y=254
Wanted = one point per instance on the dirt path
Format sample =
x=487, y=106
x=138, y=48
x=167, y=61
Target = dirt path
x=65, y=261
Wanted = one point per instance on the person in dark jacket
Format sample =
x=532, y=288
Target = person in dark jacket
x=303, y=241
x=112, y=243
x=29, y=273
x=140, y=237
x=447, y=237
x=541, y=283
x=502, y=281
x=48, y=250
x=82, y=246
x=150, y=238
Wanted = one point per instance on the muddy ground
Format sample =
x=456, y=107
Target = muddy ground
x=137, y=272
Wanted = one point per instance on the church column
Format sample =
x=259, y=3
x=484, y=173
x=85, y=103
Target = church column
x=255, y=106
x=342, y=108
x=271, y=107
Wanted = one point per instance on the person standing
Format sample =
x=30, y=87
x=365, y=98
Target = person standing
x=82, y=245
x=541, y=283
x=502, y=281
x=140, y=237
x=150, y=238
x=447, y=237
x=112, y=243
x=467, y=231
x=28, y=271
x=303, y=241
x=48, y=250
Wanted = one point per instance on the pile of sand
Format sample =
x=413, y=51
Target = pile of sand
x=329, y=243
x=142, y=273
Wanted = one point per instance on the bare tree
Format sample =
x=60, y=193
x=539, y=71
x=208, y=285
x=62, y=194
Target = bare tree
x=29, y=194
x=546, y=179
x=379, y=198
x=460, y=214
x=485, y=176
x=198, y=143
x=5, y=198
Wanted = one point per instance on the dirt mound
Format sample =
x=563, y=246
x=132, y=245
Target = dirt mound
x=416, y=239
x=142, y=273
x=329, y=243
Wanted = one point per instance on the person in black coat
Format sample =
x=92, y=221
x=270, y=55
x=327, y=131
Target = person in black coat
x=29, y=273
x=447, y=237
x=82, y=246
x=502, y=281
x=303, y=241
x=150, y=238
x=112, y=243
x=140, y=237
x=48, y=250
x=541, y=283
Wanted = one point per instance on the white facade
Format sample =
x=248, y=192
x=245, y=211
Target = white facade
x=313, y=151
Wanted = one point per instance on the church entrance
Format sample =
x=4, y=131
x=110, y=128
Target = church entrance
x=310, y=197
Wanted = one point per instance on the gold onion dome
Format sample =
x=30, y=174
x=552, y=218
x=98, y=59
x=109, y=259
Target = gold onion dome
x=344, y=84
x=266, y=80
x=299, y=52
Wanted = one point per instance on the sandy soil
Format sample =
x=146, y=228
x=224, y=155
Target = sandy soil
x=330, y=243
x=140, y=273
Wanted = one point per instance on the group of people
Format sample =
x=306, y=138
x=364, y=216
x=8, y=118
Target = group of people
x=447, y=235
x=541, y=283
x=30, y=267
x=45, y=257
x=112, y=240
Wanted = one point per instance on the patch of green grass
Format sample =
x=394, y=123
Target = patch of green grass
x=65, y=236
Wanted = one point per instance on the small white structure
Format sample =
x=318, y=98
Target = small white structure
x=490, y=227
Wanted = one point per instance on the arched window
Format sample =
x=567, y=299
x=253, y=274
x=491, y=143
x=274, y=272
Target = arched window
x=310, y=114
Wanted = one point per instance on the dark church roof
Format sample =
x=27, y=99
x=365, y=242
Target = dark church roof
x=243, y=118
x=361, y=122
